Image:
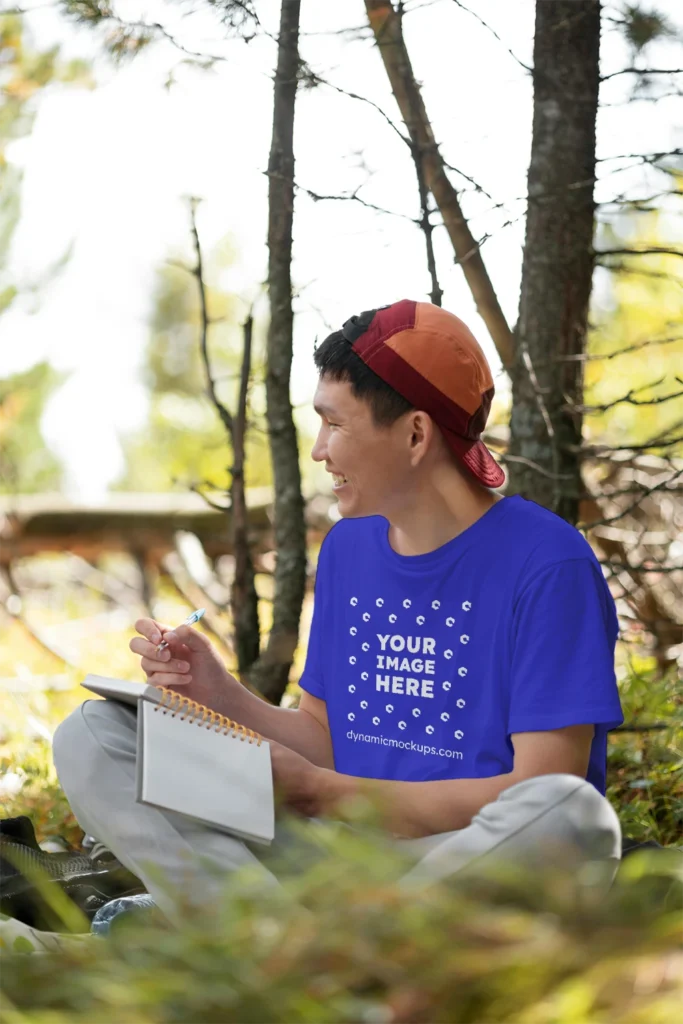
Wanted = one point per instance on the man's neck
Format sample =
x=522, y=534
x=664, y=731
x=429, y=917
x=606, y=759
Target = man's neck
x=437, y=515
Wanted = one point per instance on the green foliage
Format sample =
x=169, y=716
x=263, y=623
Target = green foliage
x=645, y=769
x=642, y=27
x=644, y=305
x=122, y=39
x=88, y=11
x=24, y=74
x=26, y=464
x=184, y=442
x=343, y=942
x=41, y=796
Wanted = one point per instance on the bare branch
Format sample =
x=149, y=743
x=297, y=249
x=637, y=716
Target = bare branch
x=642, y=71
x=642, y=157
x=535, y=466
x=643, y=569
x=585, y=357
x=642, y=204
x=14, y=611
x=198, y=273
x=658, y=275
x=653, y=250
x=354, y=197
x=427, y=228
x=629, y=399
x=663, y=485
x=477, y=187
x=317, y=80
x=493, y=32
x=607, y=450
x=209, y=501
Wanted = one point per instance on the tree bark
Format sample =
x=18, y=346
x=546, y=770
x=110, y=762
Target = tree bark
x=558, y=265
x=388, y=32
x=243, y=596
x=271, y=672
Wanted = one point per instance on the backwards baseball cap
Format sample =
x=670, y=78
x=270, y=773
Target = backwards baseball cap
x=433, y=360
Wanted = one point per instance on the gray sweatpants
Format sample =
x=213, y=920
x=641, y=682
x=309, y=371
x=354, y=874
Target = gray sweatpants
x=534, y=821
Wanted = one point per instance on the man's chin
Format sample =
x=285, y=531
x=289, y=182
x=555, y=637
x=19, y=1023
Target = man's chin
x=349, y=508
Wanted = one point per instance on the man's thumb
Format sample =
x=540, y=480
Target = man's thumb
x=190, y=637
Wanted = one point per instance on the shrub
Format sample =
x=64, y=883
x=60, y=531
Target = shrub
x=342, y=942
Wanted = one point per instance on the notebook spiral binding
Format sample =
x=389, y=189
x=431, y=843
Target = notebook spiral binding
x=199, y=713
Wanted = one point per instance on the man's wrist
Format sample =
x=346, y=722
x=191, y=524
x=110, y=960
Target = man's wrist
x=335, y=790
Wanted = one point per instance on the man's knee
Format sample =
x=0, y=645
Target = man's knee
x=92, y=732
x=575, y=810
x=68, y=739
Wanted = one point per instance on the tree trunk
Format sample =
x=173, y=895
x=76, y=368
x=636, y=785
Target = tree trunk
x=388, y=32
x=271, y=672
x=558, y=265
x=243, y=596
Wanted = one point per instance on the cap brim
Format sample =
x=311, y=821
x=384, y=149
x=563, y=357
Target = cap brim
x=476, y=458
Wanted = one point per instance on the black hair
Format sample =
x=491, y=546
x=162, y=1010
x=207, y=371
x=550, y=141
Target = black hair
x=336, y=360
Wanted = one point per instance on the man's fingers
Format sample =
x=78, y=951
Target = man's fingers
x=143, y=647
x=150, y=665
x=190, y=637
x=170, y=680
x=148, y=650
x=151, y=629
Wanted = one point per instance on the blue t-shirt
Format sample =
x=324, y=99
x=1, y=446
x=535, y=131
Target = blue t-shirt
x=430, y=663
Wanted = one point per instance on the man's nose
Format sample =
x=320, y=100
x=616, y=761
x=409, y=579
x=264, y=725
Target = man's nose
x=318, y=451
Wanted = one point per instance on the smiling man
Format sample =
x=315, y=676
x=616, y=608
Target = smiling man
x=460, y=664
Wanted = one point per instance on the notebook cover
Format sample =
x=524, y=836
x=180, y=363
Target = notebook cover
x=122, y=689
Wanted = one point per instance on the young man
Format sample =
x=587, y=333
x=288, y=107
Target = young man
x=460, y=665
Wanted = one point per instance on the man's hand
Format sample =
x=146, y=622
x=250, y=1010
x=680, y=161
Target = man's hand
x=298, y=783
x=189, y=665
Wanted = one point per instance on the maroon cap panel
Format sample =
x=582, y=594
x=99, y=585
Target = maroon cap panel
x=386, y=322
x=477, y=458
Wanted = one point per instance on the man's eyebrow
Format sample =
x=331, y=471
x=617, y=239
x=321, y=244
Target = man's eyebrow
x=324, y=410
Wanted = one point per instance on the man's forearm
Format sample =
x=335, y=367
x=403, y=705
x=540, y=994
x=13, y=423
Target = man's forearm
x=414, y=809
x=293, y=728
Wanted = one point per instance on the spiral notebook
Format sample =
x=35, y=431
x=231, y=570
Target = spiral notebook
x=195, y=762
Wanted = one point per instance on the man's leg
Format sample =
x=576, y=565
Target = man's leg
x=94, y=753
x=547, y=821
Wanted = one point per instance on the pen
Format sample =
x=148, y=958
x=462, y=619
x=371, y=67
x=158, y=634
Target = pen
x=189, y=621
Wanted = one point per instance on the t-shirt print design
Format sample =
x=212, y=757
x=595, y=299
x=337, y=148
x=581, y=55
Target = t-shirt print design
x=408, y=669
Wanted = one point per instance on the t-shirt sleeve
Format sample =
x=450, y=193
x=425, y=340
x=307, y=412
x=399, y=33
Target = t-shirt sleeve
x=312, y=679
x=564, y=633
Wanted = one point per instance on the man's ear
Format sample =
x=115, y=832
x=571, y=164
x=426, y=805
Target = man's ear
x=421, y=430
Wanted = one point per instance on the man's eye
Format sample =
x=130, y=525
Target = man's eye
x=332, y=424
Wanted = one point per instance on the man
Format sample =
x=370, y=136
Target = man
x=460, y=665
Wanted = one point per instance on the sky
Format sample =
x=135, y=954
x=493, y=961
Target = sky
x=107, y=172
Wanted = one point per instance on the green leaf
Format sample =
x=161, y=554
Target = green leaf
x=22, y=945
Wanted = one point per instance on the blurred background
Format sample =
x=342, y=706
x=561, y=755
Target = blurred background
x=178, y=226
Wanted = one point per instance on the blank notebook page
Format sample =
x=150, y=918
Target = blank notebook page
x=218, y=779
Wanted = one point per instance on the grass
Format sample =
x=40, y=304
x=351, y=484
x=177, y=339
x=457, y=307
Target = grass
x=645, y=769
